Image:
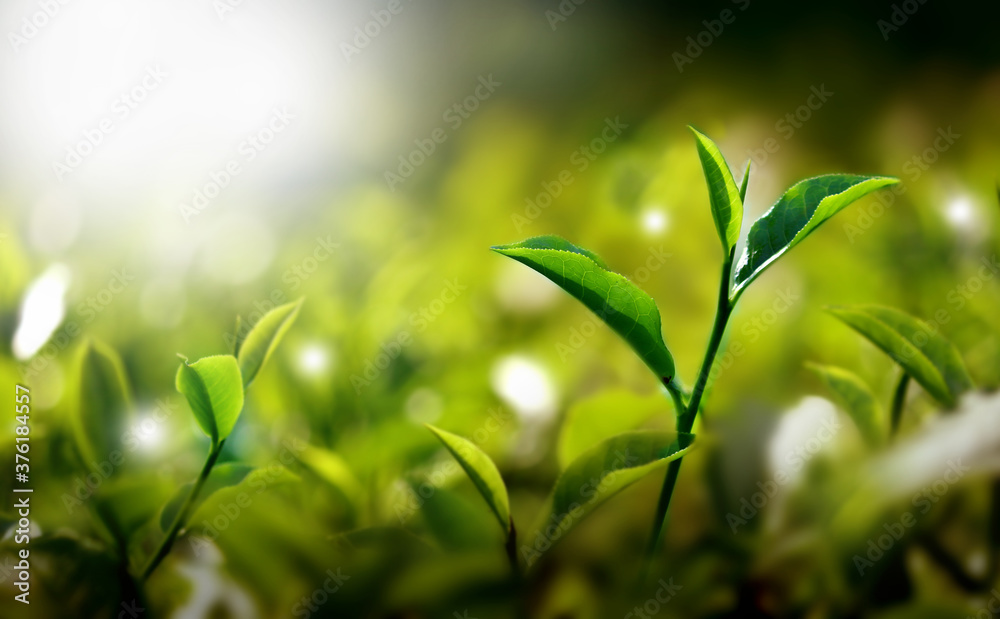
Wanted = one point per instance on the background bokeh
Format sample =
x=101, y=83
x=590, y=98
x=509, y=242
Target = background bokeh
x=165, y=167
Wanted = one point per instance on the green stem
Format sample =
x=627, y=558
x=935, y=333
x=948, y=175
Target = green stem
x=184, y=513
x=677, y=396
x=511, y=548
x=898, y=400
x=685, y=420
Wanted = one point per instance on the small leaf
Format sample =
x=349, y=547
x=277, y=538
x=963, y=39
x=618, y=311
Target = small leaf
x=609, y=467
x=618, y=302
x=103, y=405
x=599, y=417
x=481, y=471
x=919, y=348
x=222, y=476
x=214, y=390
x=723, y=194
x=857, y=399
x=802, y=209
x=256, y=348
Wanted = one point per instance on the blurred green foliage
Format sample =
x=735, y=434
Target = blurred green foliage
x=409, y=319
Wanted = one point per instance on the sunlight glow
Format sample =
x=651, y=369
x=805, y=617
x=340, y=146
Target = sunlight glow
x=961, y=213
x=525, y=386
x=655, y=221
x=42, y=310
x=314, y=359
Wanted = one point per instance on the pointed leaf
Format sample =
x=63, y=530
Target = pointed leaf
x=104, y=405
x=919, y=348
x=481, y=471
x=599, y=417
x=805, y=206
x=256, y=348
x=214, y=390
x=222, y=476
x=618, y=302
x=723, y=194
x=609, y=467
x=857, y=400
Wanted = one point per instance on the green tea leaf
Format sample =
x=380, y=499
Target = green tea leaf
x=618, y=302
x=214, y=390
x=599, y=417
x=919, y=348
x=481, y=471
x=802, y=209
x=723, y=194
x=222, y=476
x=457, y=522
x=609, y=467
x=256, y=348
x=857, y=399
x=104, y=405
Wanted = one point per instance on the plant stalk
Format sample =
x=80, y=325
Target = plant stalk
x=184, y=513
x=898, y=400
x=686, y=420
x=511, y=548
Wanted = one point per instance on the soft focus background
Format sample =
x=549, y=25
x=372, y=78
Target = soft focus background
x=167, y=166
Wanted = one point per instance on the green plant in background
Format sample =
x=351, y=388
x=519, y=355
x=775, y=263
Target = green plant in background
x=633, y=314
x=214, y=388
x=933, y=362
x=920, y=350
